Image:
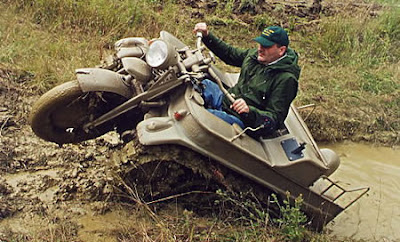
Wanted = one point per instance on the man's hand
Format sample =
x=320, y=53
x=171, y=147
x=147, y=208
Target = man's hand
x=201, y=27
x=240, y=106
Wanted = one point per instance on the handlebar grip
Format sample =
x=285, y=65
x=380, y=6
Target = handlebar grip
x=199, y=36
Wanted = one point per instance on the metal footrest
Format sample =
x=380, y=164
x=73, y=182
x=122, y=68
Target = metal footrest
x=335, y=185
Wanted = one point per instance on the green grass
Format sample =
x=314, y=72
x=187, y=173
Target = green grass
x=51, y=57
x=52, y=38
x=349, y=60
x=351, y=71
x=363, y=40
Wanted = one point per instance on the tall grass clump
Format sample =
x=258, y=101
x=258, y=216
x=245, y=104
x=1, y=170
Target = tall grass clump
x=51, y=38
x=101, y=17
x=285, y=214
x=363, y=40
x=292, y=220
x=93, y=16
x=355, y=64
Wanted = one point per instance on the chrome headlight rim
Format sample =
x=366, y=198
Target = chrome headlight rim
x=161, y=55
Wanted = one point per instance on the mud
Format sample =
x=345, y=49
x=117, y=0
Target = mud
x=47, y=191
x=37, y=177
x=303, y=13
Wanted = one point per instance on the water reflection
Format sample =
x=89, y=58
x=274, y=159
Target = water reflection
x=375, y=216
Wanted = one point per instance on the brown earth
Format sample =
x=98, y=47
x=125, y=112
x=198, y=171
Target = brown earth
x=47, y=191
x=308, y=12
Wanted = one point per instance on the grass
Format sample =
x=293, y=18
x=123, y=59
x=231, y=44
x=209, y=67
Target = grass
x=292, y=220
x=350, y=69
x=349, y=59
x=351, y=72
x=59, y=36
x=239, y=219
x=49, y=56
x=358, y=41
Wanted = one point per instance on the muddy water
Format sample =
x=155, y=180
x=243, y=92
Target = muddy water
x=375, y=217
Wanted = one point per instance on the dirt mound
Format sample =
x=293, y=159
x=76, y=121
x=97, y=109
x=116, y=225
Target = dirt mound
x=285, y=13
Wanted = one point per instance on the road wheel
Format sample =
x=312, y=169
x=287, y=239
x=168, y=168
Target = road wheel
x=58, y=115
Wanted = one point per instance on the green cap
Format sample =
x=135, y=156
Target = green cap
x=273, y=35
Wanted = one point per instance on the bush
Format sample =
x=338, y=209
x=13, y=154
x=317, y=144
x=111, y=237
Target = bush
x=292, y=220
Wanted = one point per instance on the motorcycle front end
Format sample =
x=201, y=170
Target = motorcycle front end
x=101, y=99
x=61, y=113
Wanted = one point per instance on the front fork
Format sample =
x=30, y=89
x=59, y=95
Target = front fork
x=157, y=90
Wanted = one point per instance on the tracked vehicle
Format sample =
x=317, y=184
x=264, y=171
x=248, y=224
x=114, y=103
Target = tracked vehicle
x=151, y=88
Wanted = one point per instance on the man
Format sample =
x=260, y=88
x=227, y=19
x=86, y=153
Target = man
x=267, y=84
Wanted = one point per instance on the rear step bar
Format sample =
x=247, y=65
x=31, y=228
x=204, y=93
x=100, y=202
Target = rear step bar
x=335, y=185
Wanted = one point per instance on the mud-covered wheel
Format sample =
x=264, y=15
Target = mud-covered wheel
x=59, y=114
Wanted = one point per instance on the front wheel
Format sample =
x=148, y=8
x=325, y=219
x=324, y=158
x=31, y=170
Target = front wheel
x=58, y=115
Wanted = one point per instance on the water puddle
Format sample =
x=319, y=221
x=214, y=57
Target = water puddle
x=375, y=216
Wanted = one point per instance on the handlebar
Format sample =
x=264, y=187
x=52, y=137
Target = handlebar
x=199, y=36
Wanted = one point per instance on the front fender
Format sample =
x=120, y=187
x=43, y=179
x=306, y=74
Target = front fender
x=97, y=79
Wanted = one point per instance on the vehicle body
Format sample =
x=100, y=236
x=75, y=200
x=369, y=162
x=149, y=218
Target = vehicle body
x=158, y=96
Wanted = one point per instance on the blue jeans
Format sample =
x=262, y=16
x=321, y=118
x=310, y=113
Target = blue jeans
x=213, y=102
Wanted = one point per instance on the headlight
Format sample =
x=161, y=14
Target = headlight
x=161, y=55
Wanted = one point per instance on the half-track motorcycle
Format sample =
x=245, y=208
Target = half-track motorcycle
x=152, y=86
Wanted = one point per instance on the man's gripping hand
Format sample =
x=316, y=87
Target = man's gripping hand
x=201, y=27
x=240, y=106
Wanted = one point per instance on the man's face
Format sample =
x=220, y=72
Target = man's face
x=267, y=55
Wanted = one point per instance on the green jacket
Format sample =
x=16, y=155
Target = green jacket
x=267, y=89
